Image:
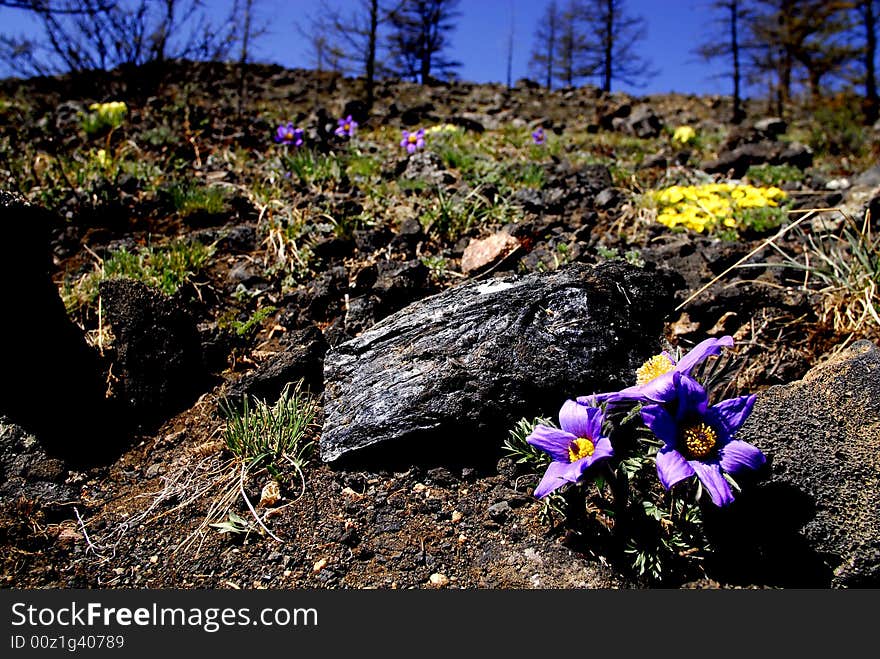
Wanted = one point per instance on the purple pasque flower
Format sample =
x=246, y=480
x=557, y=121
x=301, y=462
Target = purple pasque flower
x=574, y=447
x=654, y=377
x=699, y=439
x=413, y=141
x=287, y=134
x=346, y=127
x=538, y=136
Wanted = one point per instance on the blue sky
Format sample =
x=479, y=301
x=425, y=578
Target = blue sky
x=480, y=40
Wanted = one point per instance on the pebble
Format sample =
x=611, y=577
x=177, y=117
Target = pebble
x=320, y=565
x=439, y=580
x=456, y=516
x=499, y=511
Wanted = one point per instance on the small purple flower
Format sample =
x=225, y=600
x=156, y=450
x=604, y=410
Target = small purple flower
x=413, y=141
x=654, y=377
x=575, y=447
x=538, y=136
x=287, y=134
x=346, y=127
x=698, y=439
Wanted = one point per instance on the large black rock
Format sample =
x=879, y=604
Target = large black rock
x=814, y=520
x=159, y=366
x=447, y=376
x=51, y=380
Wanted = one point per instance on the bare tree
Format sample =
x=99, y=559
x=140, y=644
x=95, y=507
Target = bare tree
x=98, y=34
x=510, y=35
x=419, y=37
x=354, y=35
x=575, y=55
x=868, y=12
x=615, y=34
x=727, y=46
x=788, y=38
x=544, y=49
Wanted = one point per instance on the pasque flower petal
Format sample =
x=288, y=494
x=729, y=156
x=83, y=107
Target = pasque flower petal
x=737, y=455
x=672, y=467
x=553, y=441
x=713, y=482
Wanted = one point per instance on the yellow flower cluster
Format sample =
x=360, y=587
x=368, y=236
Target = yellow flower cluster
x=441, y=128
x=705, y=207
x=683, y=134
x=110, y=113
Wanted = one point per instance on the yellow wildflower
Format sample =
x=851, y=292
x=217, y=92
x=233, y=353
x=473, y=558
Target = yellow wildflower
x=684, y=134
x=704, y=207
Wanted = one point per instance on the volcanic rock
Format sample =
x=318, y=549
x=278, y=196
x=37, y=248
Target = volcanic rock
x=815, y=520
x=158, y=351
x=451, y=373
x=737, y=161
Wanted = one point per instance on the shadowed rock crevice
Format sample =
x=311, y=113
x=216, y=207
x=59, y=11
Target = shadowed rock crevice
x=51, y=383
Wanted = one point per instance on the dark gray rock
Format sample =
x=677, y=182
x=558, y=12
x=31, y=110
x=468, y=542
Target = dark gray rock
x=815, y=520
x=417, y=114
x=409, y=234
x=450, y=374
x=610, y=198
x=400, y=282
x=26, y=470
x=498, y=512
x=426, y=166
x=644, y=123
x=469, y=121
x=302, y=359
x=659, y=160
x=607, y=116
x=158, y=350
x=42, y=349
x=771, y=126
x=737, y=162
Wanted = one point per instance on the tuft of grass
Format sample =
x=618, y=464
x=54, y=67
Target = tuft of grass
x=189, y=200
x=261, y=435
x=846, y=265
x=523, y=453
x=165, y=268
x=452, y=215
x=311, y=167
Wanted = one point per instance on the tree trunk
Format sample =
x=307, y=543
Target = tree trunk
x=738, y=114
x=371, y=52
x=551, y=43
x=871, y=101
x=609, y=44
x=425, y=51
x=245, y=44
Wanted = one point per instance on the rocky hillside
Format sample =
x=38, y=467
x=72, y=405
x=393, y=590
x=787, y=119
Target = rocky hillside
x=265, y=336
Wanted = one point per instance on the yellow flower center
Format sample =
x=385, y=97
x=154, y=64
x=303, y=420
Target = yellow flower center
x=699, y=440
x=346, y=127
x=653, y=368
x=580, y=448
x=289, y=135
x=412, y=139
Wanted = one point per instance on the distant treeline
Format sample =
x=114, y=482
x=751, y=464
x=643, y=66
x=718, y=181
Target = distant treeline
x=782, y=48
